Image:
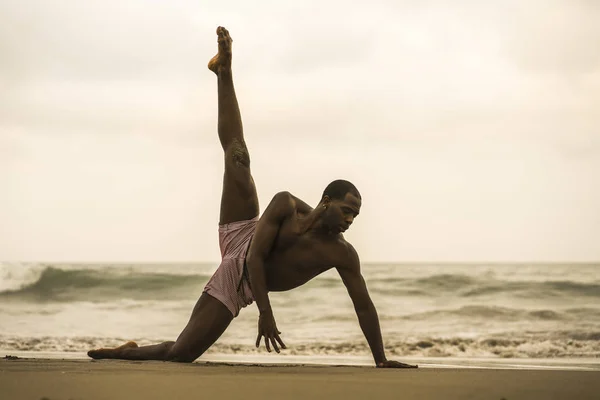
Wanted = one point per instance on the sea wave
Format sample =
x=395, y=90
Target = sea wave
x=52, y=283
x=475, y=287
x=535, y=289
x=567, y=344
x=55, y=284
x=472, y=313
x=507, y=314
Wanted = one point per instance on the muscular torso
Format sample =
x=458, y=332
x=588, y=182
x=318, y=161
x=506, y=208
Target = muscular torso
x=298, y=255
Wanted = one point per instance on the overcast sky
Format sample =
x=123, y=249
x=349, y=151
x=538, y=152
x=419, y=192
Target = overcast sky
x=471, y=128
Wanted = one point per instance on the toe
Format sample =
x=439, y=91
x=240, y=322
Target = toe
x=223, y=35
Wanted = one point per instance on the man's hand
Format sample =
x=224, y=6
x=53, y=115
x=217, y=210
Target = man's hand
x=268, y=329
x=395, y=364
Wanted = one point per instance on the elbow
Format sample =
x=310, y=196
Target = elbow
x=252, y=260
x=251, y=268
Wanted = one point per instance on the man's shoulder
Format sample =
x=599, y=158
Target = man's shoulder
x=283, y=196
x=347, y=255
x=281, y=206
x=287, y=203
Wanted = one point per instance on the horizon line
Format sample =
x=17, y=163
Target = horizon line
x=403, y=262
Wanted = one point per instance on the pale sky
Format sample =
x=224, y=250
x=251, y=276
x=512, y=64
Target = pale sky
x=471, y=128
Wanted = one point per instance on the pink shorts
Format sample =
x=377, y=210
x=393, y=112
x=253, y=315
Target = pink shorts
x=229, y=284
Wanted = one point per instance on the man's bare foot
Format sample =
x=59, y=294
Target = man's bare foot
x=110, y=353
x=395, y=364
x=223, y=58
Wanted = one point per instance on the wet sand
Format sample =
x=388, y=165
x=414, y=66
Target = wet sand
x=111, y=379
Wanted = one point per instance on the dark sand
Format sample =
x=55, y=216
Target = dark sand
x=109, y=379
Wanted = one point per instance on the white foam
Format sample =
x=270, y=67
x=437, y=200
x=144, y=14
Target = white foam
x=14, y=276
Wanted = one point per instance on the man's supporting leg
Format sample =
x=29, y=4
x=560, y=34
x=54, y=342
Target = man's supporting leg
x=209, y=320
x=239, y=201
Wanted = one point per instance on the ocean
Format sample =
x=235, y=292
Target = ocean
x=533, y=311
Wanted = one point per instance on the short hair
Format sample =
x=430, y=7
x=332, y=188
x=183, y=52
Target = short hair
x=338, y=189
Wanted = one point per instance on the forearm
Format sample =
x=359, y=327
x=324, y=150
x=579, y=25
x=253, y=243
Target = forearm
x=369, y=323
x=258, y=283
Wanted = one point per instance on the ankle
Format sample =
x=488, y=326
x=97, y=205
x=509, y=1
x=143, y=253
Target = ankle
x=224, y=71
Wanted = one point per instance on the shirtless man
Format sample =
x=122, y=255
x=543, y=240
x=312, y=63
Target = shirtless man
x=288, y=246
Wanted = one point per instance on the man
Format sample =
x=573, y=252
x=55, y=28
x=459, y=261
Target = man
x=288, y=246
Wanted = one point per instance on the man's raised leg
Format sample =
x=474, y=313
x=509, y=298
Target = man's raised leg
x=239, y=201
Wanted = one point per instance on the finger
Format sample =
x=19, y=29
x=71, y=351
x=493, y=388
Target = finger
x=283, y=346
x=267, y=343
x=258, y=340
x=274, y=344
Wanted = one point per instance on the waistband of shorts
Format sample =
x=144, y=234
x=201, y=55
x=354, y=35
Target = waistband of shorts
x=237, y=224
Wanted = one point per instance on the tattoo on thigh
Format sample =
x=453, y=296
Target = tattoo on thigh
x=239, y=153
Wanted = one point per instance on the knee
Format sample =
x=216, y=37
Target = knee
x=237, y=154
x=176, y=354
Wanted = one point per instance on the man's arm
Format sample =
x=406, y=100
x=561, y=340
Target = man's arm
x=365, y=309
x=262, y=242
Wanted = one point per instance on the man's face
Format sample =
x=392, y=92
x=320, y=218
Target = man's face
x=341, y=213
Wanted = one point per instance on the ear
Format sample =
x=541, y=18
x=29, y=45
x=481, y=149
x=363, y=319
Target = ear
x=326, y=201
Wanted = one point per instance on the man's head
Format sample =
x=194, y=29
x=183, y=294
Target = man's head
x=342, y=202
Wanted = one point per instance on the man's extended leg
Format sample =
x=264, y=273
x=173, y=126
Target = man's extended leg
x=209, y=320
x=238, y=201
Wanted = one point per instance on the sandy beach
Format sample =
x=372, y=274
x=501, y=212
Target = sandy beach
x=89, y=380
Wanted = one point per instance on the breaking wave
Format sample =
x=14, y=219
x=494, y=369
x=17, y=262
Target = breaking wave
x=55, y=284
